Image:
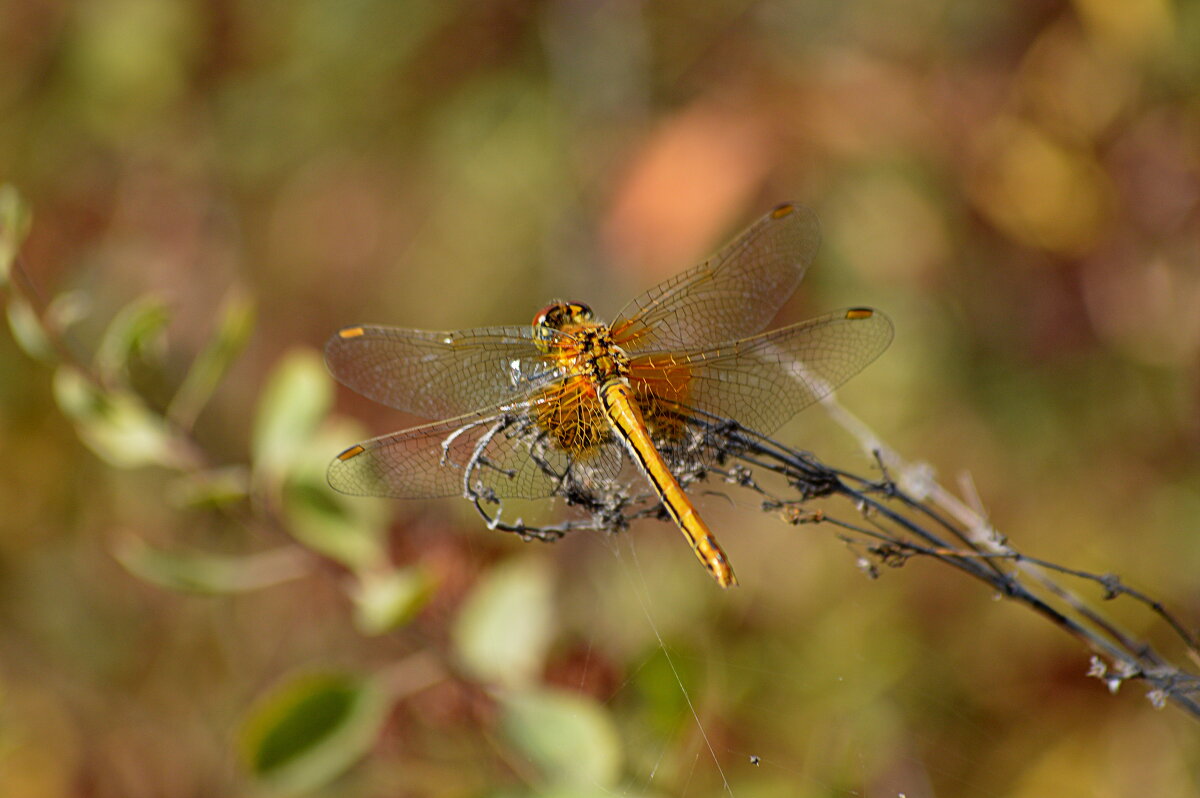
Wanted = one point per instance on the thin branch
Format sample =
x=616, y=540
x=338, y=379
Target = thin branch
x=901, y=517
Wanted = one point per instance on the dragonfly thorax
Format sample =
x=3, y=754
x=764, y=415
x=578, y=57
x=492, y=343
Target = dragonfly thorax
x=581, y=345
x=599, y=356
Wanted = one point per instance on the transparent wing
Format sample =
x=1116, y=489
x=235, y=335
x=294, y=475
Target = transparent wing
x=437, y=374
x=733, y=294
x=762, y=381
x=504, y=453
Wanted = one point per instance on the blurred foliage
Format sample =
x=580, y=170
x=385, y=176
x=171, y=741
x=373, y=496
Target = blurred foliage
x=505, y=627
x=218, y=186
x=311, y=729
x=569, y=738
x=14, y=226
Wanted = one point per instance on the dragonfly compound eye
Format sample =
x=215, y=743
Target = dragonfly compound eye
x=559, y=315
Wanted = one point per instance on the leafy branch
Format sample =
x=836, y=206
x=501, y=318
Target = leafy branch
x=314, y=724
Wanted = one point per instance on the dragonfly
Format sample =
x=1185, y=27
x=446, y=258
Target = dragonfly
x=568, y=405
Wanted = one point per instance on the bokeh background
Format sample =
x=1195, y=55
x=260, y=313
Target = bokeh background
x=1017, y=185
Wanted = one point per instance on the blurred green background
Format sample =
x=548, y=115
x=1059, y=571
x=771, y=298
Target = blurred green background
x=1017, y=185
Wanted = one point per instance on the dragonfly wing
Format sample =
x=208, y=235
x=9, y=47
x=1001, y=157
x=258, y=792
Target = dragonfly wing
x=436, y=374
x=762, y=381
x=733, y=294
x=501, y=453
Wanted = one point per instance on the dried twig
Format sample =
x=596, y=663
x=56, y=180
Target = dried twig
x=905, y=513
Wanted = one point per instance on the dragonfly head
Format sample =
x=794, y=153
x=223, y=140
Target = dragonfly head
x=559, y=317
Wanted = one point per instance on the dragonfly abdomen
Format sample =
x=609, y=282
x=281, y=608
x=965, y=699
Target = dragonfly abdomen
x=617, y=399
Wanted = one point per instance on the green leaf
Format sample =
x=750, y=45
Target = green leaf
x=212, y=488
x=67, y=309
x=348, y=529
x=195, y=572
x=136, y=330
x=234, y=325
x=661, y=687
x=115, y=424
x=506, y=624
x=27, y=330
x=297, y=397
x=386, y=601
x=15, y=220
x=571, y=740
x=331, y=524
x=309, y=730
